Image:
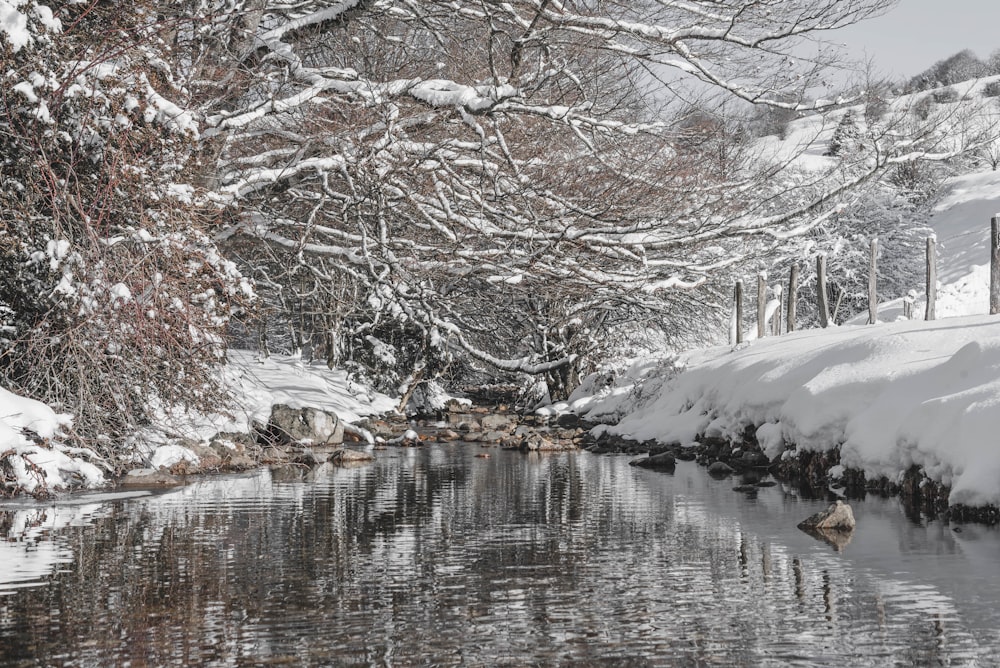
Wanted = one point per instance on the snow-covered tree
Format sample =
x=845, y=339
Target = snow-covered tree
x=115, y=298
x=410, y=180
x=440, y=156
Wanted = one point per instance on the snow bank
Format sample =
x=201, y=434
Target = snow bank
x=32, y=466
x=890, y=396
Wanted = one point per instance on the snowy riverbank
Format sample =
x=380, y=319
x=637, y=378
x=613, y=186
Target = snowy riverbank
x=36, y=458
x=880, y=399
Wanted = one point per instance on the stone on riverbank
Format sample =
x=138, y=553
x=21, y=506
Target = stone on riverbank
x=150, y=478
x=294, y=425
x=344, y=456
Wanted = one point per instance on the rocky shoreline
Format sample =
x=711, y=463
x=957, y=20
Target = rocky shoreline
x=306, y=437
x=922, y=498
x=302, y=438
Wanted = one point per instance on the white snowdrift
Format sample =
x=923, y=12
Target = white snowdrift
x=33, y=466
x=891, y=396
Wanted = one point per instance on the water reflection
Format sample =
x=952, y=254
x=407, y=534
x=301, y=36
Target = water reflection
x=432, y=556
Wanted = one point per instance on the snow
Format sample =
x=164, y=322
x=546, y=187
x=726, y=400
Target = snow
x=14, y=25
x=890, y=396
x=34, y=466
x=170, y=455
x=257, y=384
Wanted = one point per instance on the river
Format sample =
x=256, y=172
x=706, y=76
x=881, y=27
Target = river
x=433, y=556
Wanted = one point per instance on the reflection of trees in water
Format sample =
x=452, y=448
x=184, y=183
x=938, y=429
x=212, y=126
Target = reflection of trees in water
x=431, y=555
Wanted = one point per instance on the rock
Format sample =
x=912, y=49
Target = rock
x=838, y=517
x=746, y=489
x=686, y=454
x=291, y=425
x=150, y=478
x=448, y=435
x=305, y=458
x=720, y=469
x=536, y=441
x=494, y=436
x=208, y=457
x=834, y=526
x=661, y=462
x=346, y=456
x=483, y=455
x=496, y=422
x=568, y=421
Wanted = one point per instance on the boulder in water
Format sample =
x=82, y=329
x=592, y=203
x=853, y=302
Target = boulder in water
x=838, y=517
x=664, y=461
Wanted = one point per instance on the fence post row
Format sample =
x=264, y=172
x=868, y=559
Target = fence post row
x=822, y=298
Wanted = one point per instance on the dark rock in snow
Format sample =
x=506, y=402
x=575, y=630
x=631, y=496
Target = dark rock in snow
x=568, y=420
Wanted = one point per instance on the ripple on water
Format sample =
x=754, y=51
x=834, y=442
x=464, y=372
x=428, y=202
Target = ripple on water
x=434, y=557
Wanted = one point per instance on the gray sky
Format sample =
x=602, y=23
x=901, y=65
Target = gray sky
x=918, y=33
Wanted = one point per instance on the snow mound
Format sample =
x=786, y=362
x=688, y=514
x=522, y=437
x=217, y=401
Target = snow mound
x=32, y=466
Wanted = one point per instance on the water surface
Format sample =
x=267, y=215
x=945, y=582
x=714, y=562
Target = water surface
x=433, y=556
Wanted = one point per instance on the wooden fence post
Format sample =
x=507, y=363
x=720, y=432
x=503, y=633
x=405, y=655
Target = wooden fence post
x=738, y=298
x=872, y=293
x=908, y=300
x=822, y=301
x=931, y=277
x=761, y=304
x=793, y=297
x=995, y=265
